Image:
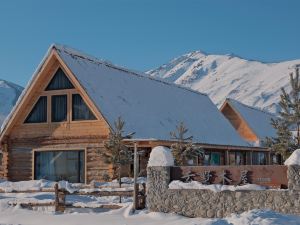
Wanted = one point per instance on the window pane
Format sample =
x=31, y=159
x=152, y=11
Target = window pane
x=59, y=108
x=39, y=112
x=206, y=158
x=80, y=110
x=231, y=158
x=59, y=81
x=259, y=158
x=215, y=159
x=238, y=158
x=60, y=165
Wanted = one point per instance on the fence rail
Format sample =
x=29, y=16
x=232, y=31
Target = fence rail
x=60, y=194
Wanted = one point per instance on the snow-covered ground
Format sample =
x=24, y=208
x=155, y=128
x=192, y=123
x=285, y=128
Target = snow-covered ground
x=17, y=215
x=177, y=184
x=11, y=211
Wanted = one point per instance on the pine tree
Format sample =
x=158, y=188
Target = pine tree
x=183, y=149
x=290, y=105
x=118, y=154
x=284, y=143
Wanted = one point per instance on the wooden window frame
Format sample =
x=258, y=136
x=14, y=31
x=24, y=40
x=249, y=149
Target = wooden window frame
x=69, y=93
x=31, y=108
x=84, y=149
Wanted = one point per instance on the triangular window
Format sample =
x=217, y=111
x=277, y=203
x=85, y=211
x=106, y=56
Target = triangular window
x=80, y=111
x=39, y=112
x=59, y=81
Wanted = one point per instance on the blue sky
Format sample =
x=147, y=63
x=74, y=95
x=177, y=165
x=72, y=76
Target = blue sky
x=143, y=34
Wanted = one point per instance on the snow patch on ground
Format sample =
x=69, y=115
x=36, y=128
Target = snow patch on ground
x=17, y=215
x=32, y=185
x=161, y=156
x=294, y=159
x=176, y=184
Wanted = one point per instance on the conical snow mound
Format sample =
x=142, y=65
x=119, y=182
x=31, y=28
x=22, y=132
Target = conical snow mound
x=161, y=156
x=294, y=159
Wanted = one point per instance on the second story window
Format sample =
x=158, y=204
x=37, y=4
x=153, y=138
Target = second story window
x=59, y=81
x=80, y=110
x=39, y=112
x=59, y=108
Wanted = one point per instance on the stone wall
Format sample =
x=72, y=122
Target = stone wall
x=206, y=203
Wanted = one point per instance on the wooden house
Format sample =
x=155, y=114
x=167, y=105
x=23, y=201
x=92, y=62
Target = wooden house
x=252, y=124
x=61, y=121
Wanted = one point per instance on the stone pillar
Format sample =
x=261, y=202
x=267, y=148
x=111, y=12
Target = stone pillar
x=293, y=174
x=158, y=179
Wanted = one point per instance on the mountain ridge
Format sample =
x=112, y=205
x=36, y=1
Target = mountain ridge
x=9, y=94
x=251, y=82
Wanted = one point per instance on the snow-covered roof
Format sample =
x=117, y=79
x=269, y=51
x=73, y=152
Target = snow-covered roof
x=258, y=120
x=150, y=107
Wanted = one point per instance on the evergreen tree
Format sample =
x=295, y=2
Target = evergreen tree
x=183, y=149
x=118, y=154
x=284, y=143
x=290, y=105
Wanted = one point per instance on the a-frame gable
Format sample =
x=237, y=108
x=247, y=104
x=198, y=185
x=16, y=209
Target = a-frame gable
x=238, y=122
x=38, y=85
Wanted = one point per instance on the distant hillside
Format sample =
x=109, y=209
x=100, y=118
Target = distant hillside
x=9, y=93
x=251, y=82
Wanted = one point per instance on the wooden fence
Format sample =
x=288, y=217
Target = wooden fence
x=60, y=203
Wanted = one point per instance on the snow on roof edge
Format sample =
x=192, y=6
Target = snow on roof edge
x=251, y=107
x=27, y=86
x=73, y=52
x=232, y=103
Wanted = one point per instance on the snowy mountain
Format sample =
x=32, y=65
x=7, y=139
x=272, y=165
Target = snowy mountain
x=9, y=93
x=220, y=76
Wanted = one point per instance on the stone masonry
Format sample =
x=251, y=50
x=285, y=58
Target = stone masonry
x=206, y=203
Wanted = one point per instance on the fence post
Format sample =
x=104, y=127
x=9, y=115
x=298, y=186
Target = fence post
x=60, y=199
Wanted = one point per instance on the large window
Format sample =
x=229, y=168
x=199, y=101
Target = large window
x=39, y=112
x=80, y=110
x=213, y=159
x=237, y=158
x=59, y=81
x=59, y=165
x=259, y=158
x=59, y=108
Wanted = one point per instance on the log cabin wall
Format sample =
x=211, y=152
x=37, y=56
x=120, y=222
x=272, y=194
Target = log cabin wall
x=25, y=138
x=21, y=165
x=239, y=124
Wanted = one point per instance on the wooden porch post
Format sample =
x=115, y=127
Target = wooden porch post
x=227, y=157
x=268, y=158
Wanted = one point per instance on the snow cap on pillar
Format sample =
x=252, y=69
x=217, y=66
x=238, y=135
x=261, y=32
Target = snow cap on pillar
x=161, y=156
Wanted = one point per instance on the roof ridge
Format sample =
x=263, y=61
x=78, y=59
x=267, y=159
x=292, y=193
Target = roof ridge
x=251, y=107
x=77, y=53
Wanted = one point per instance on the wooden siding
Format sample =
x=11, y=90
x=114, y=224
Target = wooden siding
x=20, y=164
x=21, y=139
x=238, y=123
